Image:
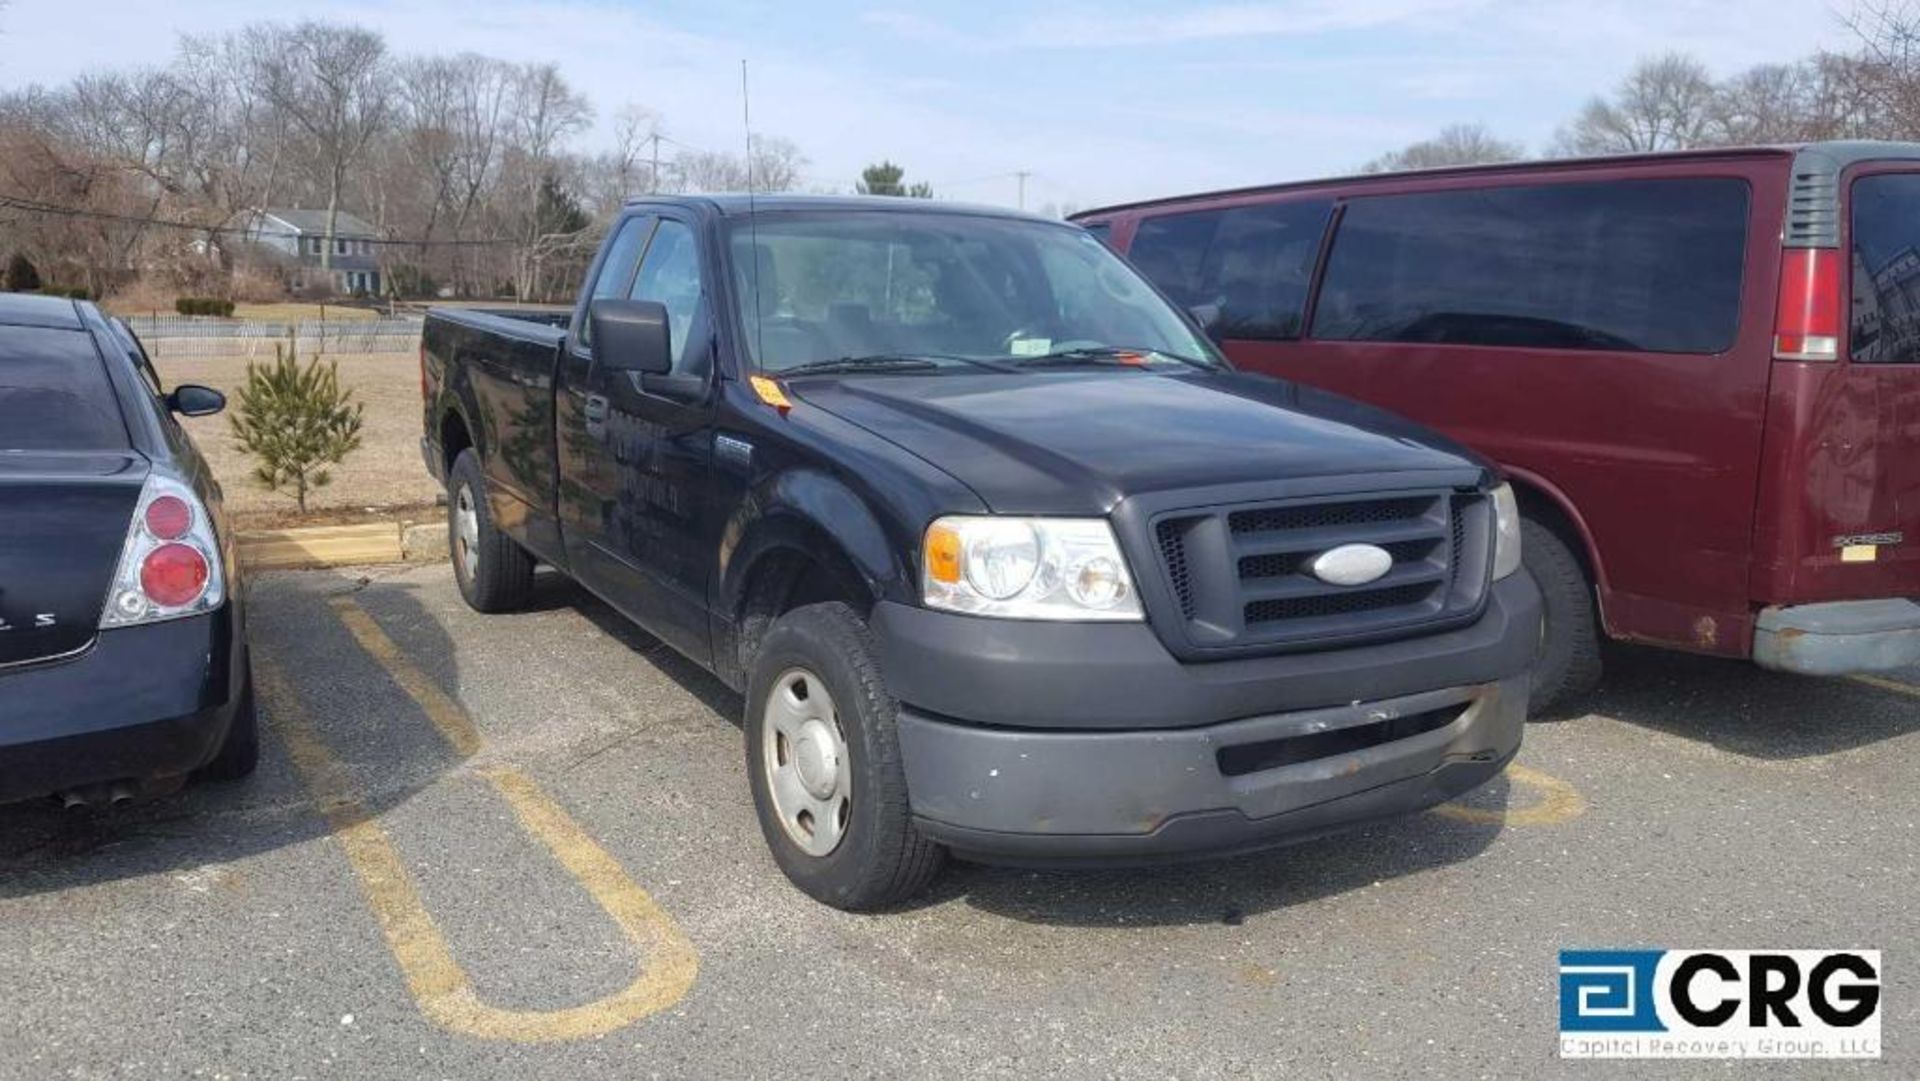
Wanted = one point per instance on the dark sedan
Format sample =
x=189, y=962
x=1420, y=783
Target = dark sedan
x=123, y=658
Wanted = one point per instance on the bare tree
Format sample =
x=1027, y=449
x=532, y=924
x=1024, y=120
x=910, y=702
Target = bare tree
x=1886, y=71
x=333, y=83
x=1457, y=144
x=775, y=166
x=1666, y=103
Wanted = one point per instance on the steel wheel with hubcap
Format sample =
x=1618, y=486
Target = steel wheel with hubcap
x=805, y=756
x=823, y=761
x=494, y=573
x=466, y=531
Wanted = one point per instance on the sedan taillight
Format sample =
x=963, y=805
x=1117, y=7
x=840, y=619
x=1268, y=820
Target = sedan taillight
x=170, y=563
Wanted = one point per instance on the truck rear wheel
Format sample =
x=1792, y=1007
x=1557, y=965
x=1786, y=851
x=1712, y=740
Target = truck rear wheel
x=494, y=573
x=1568, y=664
x=823, y=761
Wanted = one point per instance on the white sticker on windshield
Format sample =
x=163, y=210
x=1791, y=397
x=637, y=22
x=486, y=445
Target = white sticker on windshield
x=1030, y=347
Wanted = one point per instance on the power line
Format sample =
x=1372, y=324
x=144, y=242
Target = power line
x=33, y=207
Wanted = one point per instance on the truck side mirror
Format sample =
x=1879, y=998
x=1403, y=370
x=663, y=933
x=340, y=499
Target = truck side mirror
x=631, y=335
x=1207, y=316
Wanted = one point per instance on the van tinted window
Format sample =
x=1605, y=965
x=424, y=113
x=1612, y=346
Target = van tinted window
x=54, y=393
x=1646, y=265
x=1886, y=269
x=1252, y=264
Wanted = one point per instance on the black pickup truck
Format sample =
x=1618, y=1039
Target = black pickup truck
x=1006, y=558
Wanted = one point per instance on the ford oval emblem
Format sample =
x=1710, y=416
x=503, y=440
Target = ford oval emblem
x=1352, y=564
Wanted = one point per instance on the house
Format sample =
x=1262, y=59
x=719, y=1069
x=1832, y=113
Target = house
x=296, y=237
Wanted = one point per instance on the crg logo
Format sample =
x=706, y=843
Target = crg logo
x=1720, y=1003
x=40, y=620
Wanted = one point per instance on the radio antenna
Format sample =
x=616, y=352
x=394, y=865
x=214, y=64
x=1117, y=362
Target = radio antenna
x=753, y=221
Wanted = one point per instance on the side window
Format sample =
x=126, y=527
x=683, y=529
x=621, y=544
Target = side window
x=617, y=269
x=1253, y=264
x=1101, y=231
x=670, y=274
x=1171, y=249
x=1641, y=265
x=1261, y=265
x=1886, y=269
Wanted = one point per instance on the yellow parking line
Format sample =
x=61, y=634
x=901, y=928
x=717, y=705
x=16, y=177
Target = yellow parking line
x=442, y=710
x=436, y=980
x=1559, y=802
x=1886, y=684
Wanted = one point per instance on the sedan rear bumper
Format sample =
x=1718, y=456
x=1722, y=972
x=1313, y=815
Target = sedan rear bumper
x=142, y=704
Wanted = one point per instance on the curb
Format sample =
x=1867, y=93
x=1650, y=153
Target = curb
x=342, y=545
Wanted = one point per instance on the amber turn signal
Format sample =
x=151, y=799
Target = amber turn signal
x=943, y=554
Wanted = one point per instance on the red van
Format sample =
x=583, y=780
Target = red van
x=1700, y=370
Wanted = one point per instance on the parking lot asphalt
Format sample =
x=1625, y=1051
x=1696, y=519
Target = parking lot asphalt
x=521, y=846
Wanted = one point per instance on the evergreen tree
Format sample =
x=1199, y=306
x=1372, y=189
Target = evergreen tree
x=22, y=275
x=297, y=422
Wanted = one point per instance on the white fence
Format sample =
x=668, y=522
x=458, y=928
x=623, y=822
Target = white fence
x=186, y=336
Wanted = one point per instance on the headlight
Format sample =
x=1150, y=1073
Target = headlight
x=1027, y=568
x=1506, y=532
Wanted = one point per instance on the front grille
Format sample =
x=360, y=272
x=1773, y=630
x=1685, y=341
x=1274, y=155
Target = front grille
x=1241, y=576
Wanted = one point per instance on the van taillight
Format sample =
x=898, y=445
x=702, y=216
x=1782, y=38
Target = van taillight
x=1806, y=324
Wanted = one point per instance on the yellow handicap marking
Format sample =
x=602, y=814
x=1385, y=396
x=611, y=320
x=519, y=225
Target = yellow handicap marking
x=1558, y=802
x=447, y=716
x=669, y=961
x=1886, y=684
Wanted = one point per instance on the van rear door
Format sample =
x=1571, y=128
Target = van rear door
x=1840, y=513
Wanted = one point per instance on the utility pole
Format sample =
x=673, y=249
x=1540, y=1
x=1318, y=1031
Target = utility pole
x=653, y=178
x=1023, y=175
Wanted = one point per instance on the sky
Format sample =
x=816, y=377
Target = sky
x=1099, y=101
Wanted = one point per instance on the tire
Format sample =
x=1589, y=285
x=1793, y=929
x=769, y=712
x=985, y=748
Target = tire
x=1568, y=664
x=878, y=859
x=494, y=573
x=239, y=752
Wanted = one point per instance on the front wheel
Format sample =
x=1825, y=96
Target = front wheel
x=823, y=761
x=494, y=573
x=1568, y=663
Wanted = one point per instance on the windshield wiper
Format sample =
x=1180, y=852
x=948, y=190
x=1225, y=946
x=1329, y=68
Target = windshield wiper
x=1112, y=353
x=860, y=364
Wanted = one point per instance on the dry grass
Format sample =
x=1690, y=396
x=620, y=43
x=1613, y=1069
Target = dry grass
x=384, y=476
x=290, y=311
x=149, y=303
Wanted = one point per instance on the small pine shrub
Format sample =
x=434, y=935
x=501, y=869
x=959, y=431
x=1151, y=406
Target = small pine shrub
x=22, y=276
x=297, y=421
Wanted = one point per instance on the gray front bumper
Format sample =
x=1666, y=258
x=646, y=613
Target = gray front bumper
x=1838, y=637
x=1054, y=796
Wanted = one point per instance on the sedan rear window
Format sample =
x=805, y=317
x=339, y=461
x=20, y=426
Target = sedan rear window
x=54, y=393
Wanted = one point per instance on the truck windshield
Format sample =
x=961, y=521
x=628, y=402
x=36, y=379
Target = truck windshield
x=936, y=289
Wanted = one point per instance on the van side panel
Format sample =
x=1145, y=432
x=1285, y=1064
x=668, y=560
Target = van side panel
x=1658, y=454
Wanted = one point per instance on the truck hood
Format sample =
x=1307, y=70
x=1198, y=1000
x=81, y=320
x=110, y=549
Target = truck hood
x=1078, y=442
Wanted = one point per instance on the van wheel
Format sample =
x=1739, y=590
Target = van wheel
x=823, y=760
x=1568, y=664
x=239, y=753
x=494, y=573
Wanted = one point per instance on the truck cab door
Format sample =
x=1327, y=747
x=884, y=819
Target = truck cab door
x=636, y=451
